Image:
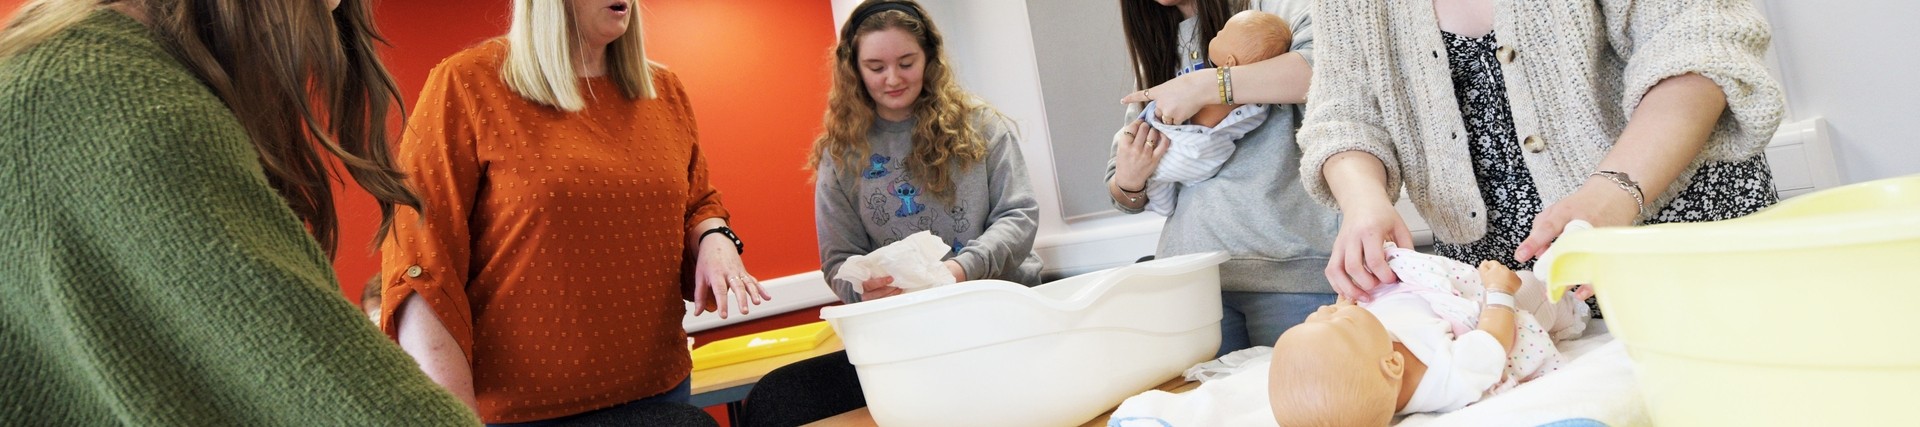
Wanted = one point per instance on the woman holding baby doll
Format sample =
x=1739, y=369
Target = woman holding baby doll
x=1247, y=199
x=905, y=150
x=1506, y=121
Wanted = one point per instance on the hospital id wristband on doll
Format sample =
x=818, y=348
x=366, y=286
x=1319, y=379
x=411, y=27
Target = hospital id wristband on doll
x=1500, y=299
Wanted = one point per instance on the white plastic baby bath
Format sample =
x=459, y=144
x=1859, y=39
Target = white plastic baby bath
x=995, y=353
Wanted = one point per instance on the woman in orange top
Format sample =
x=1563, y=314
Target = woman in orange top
x=565, y=213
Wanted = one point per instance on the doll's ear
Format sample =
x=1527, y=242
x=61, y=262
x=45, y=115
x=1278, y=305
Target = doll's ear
x=1393, y=366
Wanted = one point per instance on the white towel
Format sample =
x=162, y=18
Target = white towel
x=913, y=262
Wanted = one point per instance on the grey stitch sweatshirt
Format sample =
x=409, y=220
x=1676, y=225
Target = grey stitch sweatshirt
x=990, y=224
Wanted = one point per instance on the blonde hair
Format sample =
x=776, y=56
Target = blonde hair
x=39, y=19
x=944, y=138
x=541, y=66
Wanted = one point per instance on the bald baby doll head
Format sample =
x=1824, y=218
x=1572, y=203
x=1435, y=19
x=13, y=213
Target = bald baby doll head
x=1249, y=37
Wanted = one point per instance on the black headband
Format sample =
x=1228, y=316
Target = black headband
x=853, y=25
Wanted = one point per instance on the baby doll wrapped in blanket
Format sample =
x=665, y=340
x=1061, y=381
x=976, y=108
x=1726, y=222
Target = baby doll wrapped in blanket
x=1205, y=143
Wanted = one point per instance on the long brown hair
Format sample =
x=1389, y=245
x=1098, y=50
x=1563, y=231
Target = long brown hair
x=944, y=138
x=271, y=62
x=1153, y=35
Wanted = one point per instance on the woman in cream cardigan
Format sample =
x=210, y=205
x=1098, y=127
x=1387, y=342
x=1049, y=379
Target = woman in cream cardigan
x=1505, y=120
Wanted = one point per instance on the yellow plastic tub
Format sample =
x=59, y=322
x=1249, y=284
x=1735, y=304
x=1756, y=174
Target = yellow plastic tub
x=1804, y=314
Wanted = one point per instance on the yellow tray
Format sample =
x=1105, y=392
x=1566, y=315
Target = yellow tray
x=762, y=345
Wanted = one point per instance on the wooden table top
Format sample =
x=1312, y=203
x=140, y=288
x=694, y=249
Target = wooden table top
x=861, y=418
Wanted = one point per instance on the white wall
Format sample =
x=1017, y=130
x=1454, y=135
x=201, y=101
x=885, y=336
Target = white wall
x=990, y=43
x=1856, y=63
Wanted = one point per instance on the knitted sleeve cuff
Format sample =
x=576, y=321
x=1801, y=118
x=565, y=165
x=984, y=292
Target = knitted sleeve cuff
x=1722, y=40
x=1321, y=141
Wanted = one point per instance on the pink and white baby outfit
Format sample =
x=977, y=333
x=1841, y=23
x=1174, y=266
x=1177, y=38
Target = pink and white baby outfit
x=1434, y=311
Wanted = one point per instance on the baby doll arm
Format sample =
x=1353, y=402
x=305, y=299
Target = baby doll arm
x=1497, y=320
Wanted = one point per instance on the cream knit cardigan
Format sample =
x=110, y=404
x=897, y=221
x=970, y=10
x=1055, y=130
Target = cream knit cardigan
x=1574, y=72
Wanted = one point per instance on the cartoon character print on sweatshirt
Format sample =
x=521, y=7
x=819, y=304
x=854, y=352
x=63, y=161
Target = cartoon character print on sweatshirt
x=957, y=220
x=907, y=192
x=923, y=222
x=877, y=207
x=877, y=167
x=959, y=216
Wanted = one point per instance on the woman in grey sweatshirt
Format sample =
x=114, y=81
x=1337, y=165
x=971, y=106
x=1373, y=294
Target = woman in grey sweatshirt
x=1254, y=208
x=904, y=150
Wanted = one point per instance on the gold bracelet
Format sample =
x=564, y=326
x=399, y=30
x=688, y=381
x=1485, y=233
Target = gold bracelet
x=1220, y=75
x=1132, y=196
x=1228, y=73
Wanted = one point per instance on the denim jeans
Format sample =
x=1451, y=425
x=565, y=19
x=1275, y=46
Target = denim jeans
x=1249, y=319
x=668, y=408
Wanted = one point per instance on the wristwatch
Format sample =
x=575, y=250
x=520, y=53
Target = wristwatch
x=724, y=231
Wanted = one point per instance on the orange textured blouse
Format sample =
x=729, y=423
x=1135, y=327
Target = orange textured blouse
x=551, y=244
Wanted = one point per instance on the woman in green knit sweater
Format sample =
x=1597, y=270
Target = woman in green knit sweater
x=161, y=191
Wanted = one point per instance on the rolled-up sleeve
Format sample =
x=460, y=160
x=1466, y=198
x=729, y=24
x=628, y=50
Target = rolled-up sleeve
x=429, y=252
x=1342, y=112
x=703, y=200
x=1722, y=40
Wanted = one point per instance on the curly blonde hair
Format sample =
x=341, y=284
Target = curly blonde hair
x=944, y=137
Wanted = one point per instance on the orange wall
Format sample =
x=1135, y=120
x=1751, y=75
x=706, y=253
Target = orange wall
x=755, y=70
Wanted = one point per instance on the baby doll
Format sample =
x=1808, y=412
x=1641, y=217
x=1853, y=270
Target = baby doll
x=1248, y=37
x=1417, y=346
x=1200, y=148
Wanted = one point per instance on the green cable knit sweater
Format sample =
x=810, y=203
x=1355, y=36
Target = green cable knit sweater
x=148, y=273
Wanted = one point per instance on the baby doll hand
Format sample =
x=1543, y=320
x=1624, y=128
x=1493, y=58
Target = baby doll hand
x=1497, y=277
